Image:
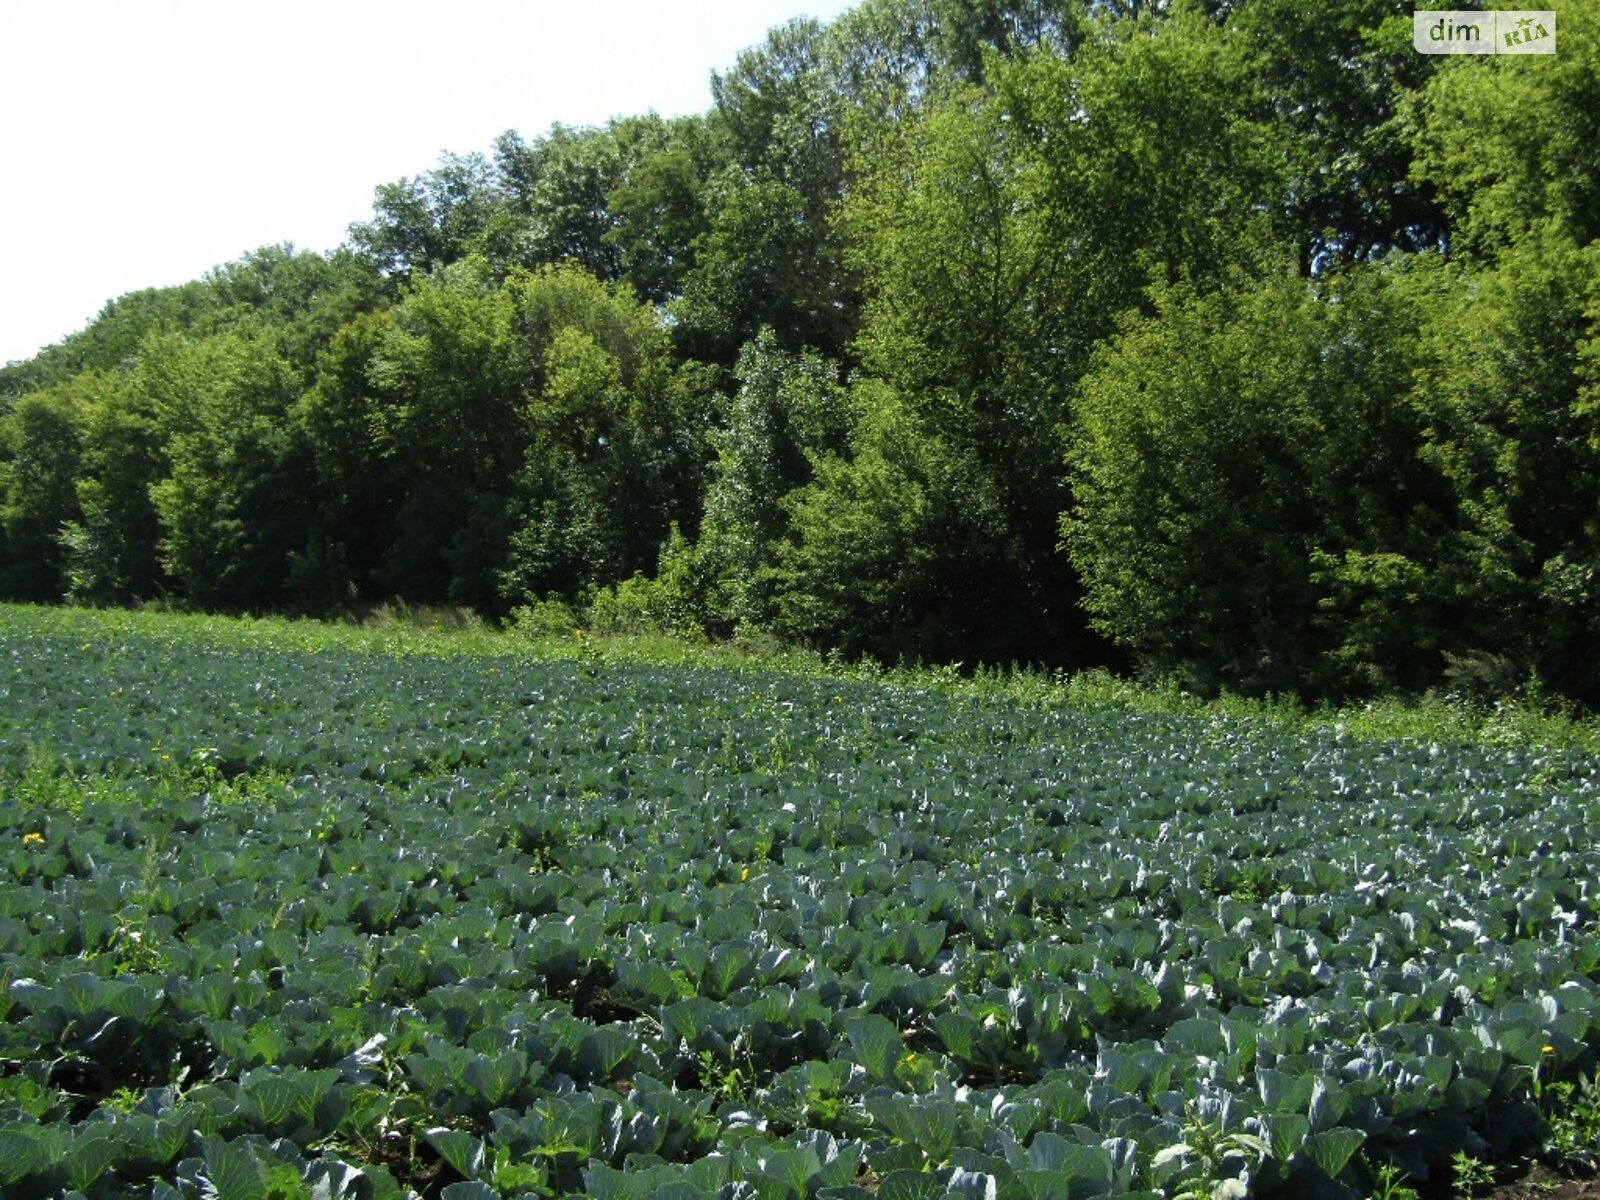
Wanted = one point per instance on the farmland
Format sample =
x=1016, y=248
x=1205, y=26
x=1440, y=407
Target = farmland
x=311, y=920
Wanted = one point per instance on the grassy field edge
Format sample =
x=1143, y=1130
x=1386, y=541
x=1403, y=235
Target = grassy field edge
x=403, y=631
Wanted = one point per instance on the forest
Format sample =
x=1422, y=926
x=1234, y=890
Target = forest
x=1226, y=341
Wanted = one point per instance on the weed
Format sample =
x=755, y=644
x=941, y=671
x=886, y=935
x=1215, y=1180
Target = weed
x=1571, y=1111
x=727, y=1080
x=1469, y=1175
x=1391, y=1184
x=1216, y=1164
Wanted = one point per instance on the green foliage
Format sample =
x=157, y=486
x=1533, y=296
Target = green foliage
x=1390, y=1184
x=893, y=551
x=399, y=629
x=1232, y=340
x=342, y=419
x=429, y=221
x=309, y=906
x=659, y=210
x=789, y=408
x=1571, y=1109
x=111, y=550
x=488, y=439
x=548, y=618
x=1152, y=153
x=769, y=255
x=1211, y=1163
x=960, y=256
x=1215, y=529
x=614, y=451
x=1000, y=231
x=228, y=504
x=1469, y=1175
x=41, y=446
x=636, y=605
x=1341, y=82
x=459, y=372
x=766, y=260
x=967, y=321
x=1512, y=151
x=568, y=205
x=1508, y=398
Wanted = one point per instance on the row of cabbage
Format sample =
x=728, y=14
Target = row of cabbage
x=362, y=927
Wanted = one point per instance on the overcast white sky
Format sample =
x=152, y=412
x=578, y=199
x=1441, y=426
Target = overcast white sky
x=143, y=142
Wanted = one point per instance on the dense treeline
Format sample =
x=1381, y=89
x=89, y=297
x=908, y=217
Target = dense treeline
x=1230, y=339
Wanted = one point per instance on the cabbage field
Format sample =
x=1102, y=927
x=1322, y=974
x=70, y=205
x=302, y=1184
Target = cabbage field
x=314, y=921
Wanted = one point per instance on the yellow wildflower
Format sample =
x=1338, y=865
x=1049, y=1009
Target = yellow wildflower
x=1547, y=1049
x=744, y=875
x=33, y=839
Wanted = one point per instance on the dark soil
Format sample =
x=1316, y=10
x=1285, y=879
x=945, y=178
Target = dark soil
x=1541, y=1183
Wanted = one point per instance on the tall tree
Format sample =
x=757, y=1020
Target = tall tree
x=429, y=220
x=1510, y=143
x=345, y=419
x=770, y=256
x=659, y=209
x=537, y=434
x=1510, y=390
x=901, y=549
x=1335, y=80
x=41, y=445
x=788, y=411
x=231, y=505
x=1249, y=461
x=112, y=551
